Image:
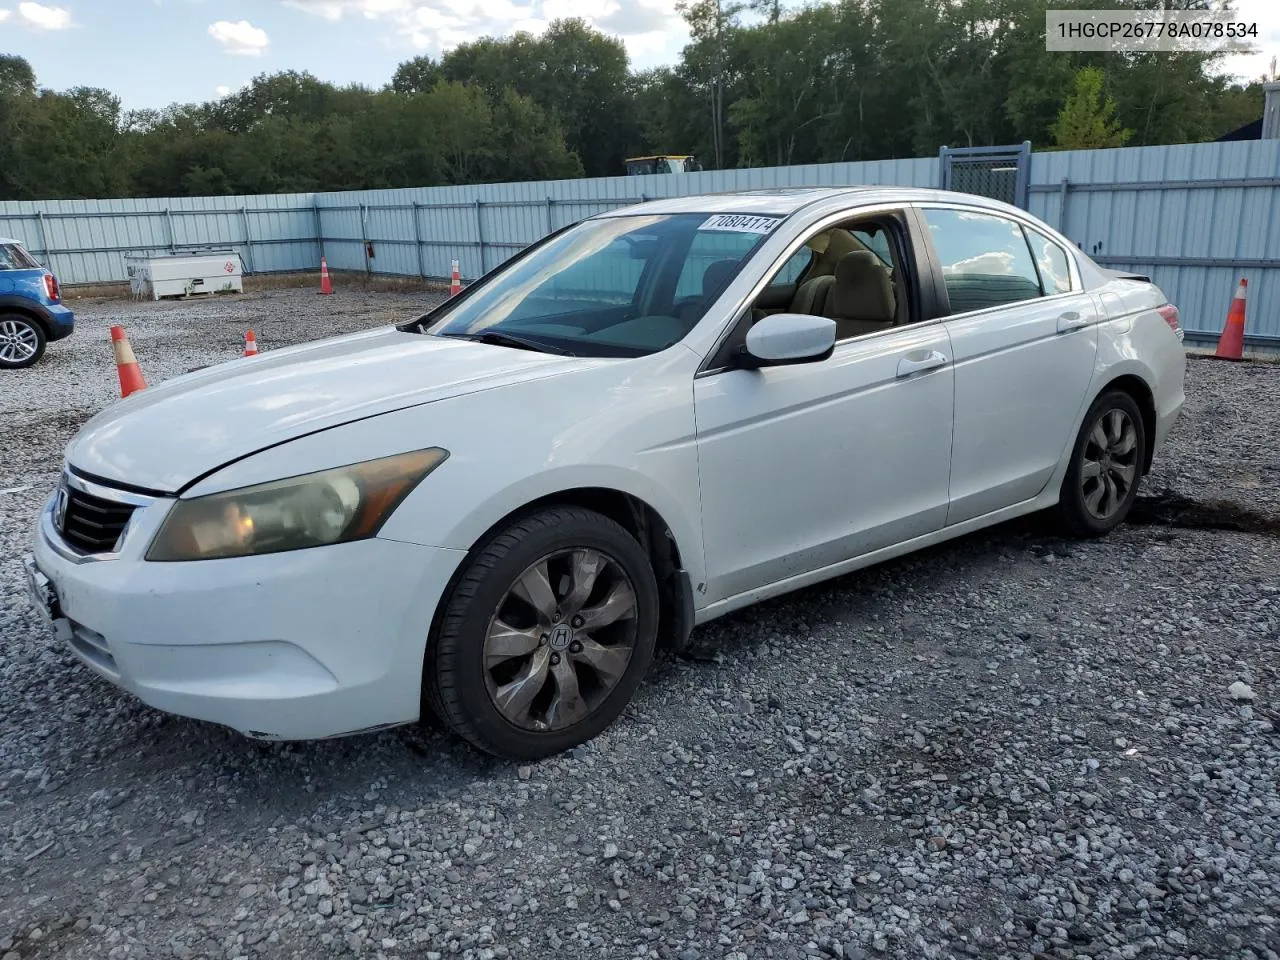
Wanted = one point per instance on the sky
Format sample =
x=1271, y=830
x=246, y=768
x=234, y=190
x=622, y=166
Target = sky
x=154, y=52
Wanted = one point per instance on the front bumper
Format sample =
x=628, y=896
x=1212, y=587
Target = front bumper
x=291, y=646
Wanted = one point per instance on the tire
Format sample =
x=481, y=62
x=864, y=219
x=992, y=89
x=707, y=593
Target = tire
x=523, y=666
x=1086, y=507
x=22, y=341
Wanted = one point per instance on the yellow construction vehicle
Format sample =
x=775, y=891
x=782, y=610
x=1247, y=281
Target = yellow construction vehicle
x=639, y=166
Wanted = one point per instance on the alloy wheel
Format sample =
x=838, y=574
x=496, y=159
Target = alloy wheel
x=18, y=341
x=1110, y=466
x=560, y=639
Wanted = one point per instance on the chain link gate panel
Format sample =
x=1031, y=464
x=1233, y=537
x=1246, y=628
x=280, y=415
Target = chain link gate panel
x=1001, y=173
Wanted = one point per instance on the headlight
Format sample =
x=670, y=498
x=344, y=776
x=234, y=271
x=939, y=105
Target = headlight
x=333, y=506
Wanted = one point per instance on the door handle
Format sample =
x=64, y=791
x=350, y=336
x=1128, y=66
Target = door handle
x=914, y=363
x=1072, y=321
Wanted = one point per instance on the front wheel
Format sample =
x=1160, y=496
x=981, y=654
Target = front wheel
x=1106, y=467
x=22, y=341
x=545, y=636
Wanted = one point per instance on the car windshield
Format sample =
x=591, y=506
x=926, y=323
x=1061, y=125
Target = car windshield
x=614, y=287
x=13, y=257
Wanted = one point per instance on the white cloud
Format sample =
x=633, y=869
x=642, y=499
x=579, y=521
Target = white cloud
x=1250, y=66
x=329, y=9
x=4, y=15
x=222, y=90
x=651, y=30
x=587, y=9
x=241, y=38
x=44, y=18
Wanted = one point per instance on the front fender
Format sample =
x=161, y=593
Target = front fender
x=465, y=531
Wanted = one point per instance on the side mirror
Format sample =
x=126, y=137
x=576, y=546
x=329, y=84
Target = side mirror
x=785, y=338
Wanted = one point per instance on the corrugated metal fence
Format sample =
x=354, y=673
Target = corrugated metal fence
x=1196, y=217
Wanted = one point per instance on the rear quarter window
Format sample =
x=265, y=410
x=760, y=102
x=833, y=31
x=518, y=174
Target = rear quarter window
x=1051, y=260
x=13, y=257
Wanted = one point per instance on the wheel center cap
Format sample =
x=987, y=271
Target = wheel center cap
x=560, y=637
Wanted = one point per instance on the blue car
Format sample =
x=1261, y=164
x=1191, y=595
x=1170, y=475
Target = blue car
x=31, y=310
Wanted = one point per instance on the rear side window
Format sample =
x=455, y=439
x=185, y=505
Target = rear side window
x=877, y=242
x=13, y=257
x=1051, y=259
x=985, y=259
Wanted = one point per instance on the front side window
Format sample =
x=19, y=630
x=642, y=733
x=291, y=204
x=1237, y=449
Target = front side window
x=13, y=257
x=985, y=259
x=613, y=287
x=792, y=270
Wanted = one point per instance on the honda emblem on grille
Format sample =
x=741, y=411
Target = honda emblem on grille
x=60, y=504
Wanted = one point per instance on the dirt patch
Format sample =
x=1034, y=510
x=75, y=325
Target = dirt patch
x=1174, y=510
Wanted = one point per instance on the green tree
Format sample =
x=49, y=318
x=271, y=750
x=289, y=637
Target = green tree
x=416, y=76
x=528, y=144
x=790, y=82
x=1087, y=120
x=576, y=74
x=708, y=61
x=16, y=76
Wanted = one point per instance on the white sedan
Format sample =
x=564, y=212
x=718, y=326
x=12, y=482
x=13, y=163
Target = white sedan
x=661, y=414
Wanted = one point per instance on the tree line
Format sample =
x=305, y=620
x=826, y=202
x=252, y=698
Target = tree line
x=757, y=85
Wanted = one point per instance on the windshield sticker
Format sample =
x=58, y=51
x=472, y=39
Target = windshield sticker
x=740, y=223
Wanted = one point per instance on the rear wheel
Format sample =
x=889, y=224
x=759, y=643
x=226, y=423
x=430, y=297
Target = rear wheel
x=1106, y=467
x=22, y=341
x=545, y=636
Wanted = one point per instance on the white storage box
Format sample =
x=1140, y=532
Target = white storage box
x=185, y=274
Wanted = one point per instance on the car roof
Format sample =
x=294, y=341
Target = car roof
x=783, y=201
x=780, y=201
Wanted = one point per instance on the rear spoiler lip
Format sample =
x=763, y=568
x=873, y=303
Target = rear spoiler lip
x=1122, y=275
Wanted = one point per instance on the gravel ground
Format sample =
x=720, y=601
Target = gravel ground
x=1008, y=746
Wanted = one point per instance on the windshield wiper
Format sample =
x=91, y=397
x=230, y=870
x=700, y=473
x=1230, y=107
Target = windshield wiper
x=500, y=339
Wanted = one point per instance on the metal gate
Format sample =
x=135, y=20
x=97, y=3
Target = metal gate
x=1001, y=173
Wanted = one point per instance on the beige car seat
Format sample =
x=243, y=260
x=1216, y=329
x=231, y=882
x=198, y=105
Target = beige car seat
x=828, y=248
x=860, y=298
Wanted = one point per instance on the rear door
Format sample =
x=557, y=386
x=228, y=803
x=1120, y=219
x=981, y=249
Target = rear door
x=1024, y=335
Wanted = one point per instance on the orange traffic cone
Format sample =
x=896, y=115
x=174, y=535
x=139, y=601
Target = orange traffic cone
x=455, y=279
x=131, y=379
x=326, y=286
x=1231, y=343
x=250, y=345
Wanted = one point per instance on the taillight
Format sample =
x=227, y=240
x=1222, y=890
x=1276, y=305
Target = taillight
x=51, y=287
x=1170, y=314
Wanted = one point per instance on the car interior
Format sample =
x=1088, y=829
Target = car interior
x=853, y=276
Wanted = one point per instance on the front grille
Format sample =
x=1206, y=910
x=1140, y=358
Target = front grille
x=92, y=524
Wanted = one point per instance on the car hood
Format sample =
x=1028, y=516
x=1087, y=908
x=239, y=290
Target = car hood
x=162, y=438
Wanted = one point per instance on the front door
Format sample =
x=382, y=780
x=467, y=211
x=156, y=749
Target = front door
x=806, y=466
